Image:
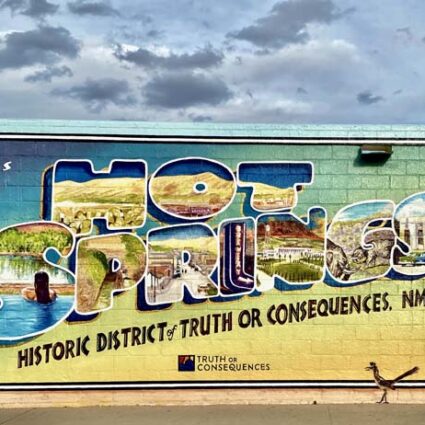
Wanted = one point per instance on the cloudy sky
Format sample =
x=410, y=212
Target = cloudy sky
x=290, y=61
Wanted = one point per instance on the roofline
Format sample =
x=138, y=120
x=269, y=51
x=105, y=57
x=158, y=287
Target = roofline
x=140, y=131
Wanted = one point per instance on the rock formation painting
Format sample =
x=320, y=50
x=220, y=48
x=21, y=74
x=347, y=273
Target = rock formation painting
x=290, y=248
x=360, y=241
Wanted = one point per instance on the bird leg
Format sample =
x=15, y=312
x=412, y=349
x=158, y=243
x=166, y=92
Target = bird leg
x=383, y=398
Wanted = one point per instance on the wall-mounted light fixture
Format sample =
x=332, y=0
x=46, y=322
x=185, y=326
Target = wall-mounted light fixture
x=374, y=152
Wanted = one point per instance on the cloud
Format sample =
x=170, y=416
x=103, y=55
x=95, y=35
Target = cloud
x=201, y=59
x=34, y=8
x=287, y=23
x=154, y=33
x=405, y=31
x=413, y=207
x=94, y=8
x=367, y=98
x=186, y=89
x=97, y=95
x=320, y=63
x=200, y=118
x=40, y=8
x=49, y=73
x=13, y=5
x=44, y=45
x=265, y=110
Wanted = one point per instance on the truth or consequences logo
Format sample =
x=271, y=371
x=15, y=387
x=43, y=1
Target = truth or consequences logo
x=186, y=363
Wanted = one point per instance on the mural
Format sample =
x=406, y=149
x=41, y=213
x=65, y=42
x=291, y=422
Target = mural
x=195, y=264
x=291, y=249
x=116, y=194
x=237, y=256
x=181, y=256
x=34, y=294
x=361, y=241
x=275, y=184
x=409, y=224
x=107, y=264
x=192, y=188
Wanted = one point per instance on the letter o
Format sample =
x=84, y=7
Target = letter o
x=192, y=188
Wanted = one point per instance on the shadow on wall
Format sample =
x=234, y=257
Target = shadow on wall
x=368, y=155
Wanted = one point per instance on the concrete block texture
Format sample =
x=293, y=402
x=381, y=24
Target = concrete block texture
x=332, y=278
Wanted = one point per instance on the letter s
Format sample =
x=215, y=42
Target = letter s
x=30, y=307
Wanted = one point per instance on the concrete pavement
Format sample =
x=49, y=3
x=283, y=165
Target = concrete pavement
x=214, y=415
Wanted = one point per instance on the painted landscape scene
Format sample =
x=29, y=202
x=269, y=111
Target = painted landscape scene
x=194, y=195
x=121, y=201
x=275, y=185
x=22, y=312
x=290, y=249
x=268, y=197
x=107, y=264
x=360, y=243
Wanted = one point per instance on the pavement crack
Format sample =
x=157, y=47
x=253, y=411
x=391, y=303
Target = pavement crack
x=17, y=416
x=330, y=415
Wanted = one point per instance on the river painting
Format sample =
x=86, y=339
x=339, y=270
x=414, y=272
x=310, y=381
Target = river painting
x=16, y=273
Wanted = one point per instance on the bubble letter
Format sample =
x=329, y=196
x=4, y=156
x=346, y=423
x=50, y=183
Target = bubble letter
x=192, y=188
x=181, y=256
x=107, y=264
x=117, y=195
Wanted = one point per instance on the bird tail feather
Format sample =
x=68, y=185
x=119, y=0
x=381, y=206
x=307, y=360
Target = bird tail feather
x=405, y=374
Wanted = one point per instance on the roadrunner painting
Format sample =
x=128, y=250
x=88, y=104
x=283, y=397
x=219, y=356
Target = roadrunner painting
x=385, y=384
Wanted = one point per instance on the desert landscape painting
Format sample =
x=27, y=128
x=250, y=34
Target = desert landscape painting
x=290, y=248
x=184, y=190
x=77, y=200
x=275, y=184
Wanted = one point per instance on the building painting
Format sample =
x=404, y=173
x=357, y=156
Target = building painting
x=201, y=263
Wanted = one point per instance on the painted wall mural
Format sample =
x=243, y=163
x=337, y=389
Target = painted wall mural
x=142, y=261
x=117, y=194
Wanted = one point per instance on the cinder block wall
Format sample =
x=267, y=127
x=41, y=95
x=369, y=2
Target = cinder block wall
x=326, y=351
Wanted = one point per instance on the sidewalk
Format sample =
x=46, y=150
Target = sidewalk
x=391, y=414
